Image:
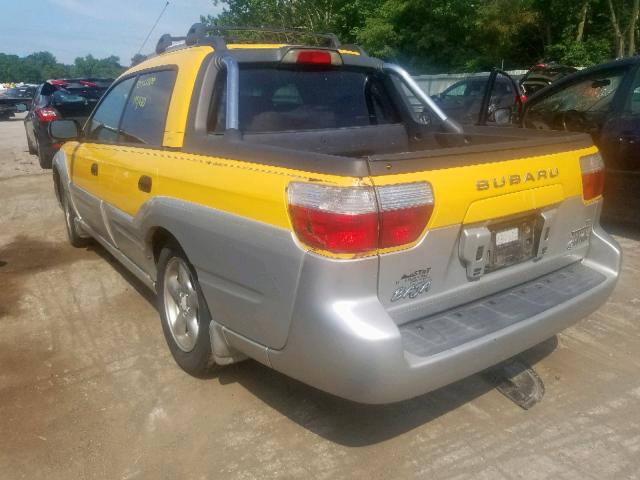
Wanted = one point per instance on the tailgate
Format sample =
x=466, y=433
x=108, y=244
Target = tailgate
x=500, y=219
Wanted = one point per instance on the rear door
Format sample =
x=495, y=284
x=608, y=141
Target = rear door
x=87, y=167
x=29, y=119
x=620, y=136
x=620, y=144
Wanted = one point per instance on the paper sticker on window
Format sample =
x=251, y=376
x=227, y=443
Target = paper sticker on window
x=139, y=101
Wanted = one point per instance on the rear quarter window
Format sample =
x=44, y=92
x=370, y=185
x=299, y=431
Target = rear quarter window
x=146, y=110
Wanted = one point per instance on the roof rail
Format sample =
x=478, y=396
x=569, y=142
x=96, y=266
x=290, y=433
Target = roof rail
x=214, y=35
x=167, y=41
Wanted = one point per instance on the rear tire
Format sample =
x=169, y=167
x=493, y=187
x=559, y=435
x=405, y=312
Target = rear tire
x=44, y=159
x=75, y=238
x=183, y=311
x=32, y=149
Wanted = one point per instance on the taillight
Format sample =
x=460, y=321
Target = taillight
x=592, y=168
x=46, y=114
x=359, y=219
x=523, y=98
x=404, y=212
x=307, y=56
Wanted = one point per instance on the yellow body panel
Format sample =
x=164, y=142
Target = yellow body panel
x=250, y=190
x=514, y=203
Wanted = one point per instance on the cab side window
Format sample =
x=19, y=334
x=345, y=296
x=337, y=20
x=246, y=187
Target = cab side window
x=145, y=114
x=103, y=126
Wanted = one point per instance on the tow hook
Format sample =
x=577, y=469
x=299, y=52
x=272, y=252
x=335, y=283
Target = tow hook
x=518, y=381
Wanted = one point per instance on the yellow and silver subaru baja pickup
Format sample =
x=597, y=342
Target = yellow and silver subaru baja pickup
x=286, y=204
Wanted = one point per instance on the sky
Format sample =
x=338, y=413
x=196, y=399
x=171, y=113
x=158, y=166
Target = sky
x=75, y=28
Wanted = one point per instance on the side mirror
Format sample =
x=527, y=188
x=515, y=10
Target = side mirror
x=64, y=130
x=502, y=116
x=424, y=116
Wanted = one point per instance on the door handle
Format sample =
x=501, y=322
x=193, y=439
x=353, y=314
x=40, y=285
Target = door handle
x=628, y=138
x=94, y=169
x=144, y=184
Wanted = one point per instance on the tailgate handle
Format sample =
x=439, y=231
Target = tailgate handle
x=144, y=184
x=94, y=169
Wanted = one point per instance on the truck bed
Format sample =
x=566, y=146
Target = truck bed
x=389, y=149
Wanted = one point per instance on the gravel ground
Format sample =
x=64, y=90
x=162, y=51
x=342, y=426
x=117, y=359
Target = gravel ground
x=89, y=390
x=14, y=155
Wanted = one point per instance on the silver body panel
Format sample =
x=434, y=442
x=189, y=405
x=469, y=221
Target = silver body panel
x=331, y=323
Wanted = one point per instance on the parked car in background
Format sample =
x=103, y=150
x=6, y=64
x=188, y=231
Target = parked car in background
x=15, y=100
x=542, y=75
x=463, y=99
x=603, y=101
x=71, y=99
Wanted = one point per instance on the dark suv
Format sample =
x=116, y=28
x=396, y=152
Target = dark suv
x=71, y=99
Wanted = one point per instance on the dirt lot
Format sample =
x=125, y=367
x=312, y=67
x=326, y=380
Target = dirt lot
x=89, y=390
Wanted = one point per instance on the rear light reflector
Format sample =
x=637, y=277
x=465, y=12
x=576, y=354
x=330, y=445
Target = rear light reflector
x=405, y=211
x=359, y=219
x=592, y=168
x=305, y=56
x=46, y=114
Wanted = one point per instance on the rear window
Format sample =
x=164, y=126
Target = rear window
x=20, y=92
x=278, y=99
x=76, y=101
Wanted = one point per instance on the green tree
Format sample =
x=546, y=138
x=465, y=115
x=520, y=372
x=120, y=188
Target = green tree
x=137, y=58
x=89, y=66
x=457, y=35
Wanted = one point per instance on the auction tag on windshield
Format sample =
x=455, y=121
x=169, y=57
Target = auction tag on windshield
x=506, y=236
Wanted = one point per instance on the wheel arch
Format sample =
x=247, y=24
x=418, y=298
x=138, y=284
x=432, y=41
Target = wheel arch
x=60, y=174
x=157, y=237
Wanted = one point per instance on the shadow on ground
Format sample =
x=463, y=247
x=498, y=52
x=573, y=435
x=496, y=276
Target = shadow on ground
x=356, y=425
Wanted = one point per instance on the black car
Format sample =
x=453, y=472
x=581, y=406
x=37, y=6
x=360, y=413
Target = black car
x=71, y=99
x=15, y=100
x=542, y=75
x=603, y=101
x=463, y=99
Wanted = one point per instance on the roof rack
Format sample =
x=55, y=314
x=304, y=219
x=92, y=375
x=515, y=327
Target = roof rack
x=218, y=36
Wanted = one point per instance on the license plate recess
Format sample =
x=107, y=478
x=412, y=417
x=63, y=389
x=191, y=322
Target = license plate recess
x=513, y=241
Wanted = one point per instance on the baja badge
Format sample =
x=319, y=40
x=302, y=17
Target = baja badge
x=412, y=284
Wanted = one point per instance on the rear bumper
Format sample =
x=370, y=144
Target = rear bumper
x=351, y=348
